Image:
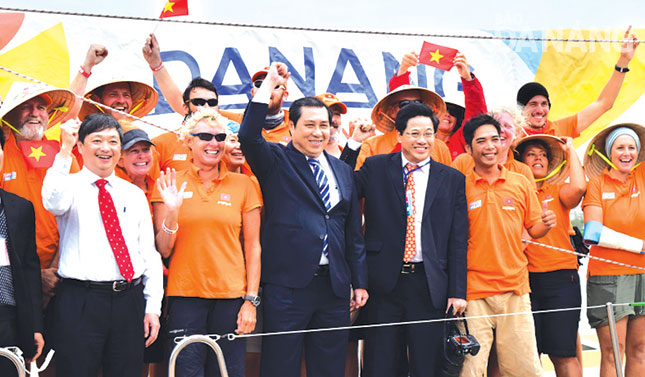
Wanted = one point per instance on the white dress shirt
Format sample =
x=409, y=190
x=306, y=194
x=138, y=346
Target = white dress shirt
x=85, y=252
x=334, y=195
x=420, y=185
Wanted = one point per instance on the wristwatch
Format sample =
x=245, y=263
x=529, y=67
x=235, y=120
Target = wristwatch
x=621, y=69
x=255, y=300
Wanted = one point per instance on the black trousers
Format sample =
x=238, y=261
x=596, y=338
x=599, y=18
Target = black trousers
x=409, y=301
x=99, y=328
x=8, y=337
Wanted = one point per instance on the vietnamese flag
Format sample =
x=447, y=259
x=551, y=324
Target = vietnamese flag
x=437, y=56
x=39, y=154
x=174, y=8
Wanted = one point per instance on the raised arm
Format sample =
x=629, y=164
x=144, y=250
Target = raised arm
x=57, y=195
x=609, y=93
x=170, y=90
x=165, y=214
x=95, y=55
x=571, y=193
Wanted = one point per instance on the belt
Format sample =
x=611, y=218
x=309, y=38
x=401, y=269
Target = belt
x=322, y=270
x=113, y=286
x=411, y=268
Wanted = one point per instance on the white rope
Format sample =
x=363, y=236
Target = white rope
x=89, y=100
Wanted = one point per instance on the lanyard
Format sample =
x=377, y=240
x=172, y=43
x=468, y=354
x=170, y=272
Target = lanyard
x=406, y=174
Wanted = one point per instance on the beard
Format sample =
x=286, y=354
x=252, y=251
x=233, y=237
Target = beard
x=32, y=132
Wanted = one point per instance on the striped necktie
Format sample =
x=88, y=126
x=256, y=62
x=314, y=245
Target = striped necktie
x=323, y=187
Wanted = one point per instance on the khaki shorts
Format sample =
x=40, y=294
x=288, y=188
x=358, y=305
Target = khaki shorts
x=514, y=336
x=617, y=289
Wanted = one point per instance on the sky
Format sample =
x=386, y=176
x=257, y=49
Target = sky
x=409, y=16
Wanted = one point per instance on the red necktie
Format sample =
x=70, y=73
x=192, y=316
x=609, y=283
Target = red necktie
x=410, y=235
x=113, y=231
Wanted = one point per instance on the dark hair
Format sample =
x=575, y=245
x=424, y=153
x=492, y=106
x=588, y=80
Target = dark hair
x=458, y=112
x=474, y=123
x=2, y=139
x=98, y=122
x=295, y=110
x=412, y=110
x=199, y=82
x=533, y=143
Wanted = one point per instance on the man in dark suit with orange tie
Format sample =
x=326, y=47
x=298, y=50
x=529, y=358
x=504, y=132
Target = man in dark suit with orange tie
x=416, y=230
x=312, y=245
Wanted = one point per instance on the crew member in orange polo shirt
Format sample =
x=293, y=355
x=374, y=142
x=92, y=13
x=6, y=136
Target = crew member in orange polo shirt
x=136, y=162
x=209, y=227
x=534, y=99
x=500, y=205
x=553, y=275
x=27, y=112
x=383, y=115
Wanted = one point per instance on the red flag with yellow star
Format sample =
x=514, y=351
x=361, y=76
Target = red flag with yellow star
x=437, y=56
x=174, y=8
x=39, y=154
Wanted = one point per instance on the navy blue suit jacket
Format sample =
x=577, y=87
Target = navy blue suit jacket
x=296, y=219
x=444, y=232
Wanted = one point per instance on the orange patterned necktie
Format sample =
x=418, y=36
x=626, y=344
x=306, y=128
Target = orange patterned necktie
x=410, y=237
x=113, y=231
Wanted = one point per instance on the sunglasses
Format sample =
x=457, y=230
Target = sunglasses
x=205, y=136
x=258, y=84
x=201, y=101
x=406, y=102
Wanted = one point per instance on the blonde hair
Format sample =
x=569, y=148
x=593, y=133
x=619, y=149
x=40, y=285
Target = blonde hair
x=207, y=115
x=518, y=120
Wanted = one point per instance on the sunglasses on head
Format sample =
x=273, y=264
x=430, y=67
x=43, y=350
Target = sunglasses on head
x=205, y=136
x=258, y=84
x=202, y=101
x=406, y=102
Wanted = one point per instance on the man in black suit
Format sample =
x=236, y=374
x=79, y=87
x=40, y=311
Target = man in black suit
x=21, y=322
x=312, y=245
x=416, y=230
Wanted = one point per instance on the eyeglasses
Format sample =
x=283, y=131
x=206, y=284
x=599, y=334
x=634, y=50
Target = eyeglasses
x=205, y=136
x=212, y=102
x=406, y=102
x=415, y=135
x=258, y=84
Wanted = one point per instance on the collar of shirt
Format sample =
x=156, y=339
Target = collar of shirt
x=425, y=166
x=89, y=177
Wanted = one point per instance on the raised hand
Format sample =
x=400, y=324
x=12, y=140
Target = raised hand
x=167, y=186
x=151, y=51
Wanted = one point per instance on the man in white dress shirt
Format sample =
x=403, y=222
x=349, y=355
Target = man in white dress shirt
x=111, y=272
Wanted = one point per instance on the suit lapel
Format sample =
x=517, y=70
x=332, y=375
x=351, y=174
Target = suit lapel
x=395, y=173
x=434, y=181
x=303, y=170
x=12, y=232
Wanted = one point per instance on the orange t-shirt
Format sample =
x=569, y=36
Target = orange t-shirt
x=465, y=164
x=384, y=144
x=173, y=153
x=623, y=210
x=542, y=259
x=497, y=215
x=207, y=260
x=562, y=127
x=21, y=179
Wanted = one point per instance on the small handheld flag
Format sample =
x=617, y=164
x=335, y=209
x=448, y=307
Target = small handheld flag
x=39, y=154
x=174, y=8
x=437, y=56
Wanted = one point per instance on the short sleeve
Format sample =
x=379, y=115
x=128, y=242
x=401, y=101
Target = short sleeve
x=593, y=195
x=252, y=197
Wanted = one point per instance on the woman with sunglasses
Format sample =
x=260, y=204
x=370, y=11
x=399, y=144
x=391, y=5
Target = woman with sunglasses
x=207, y=221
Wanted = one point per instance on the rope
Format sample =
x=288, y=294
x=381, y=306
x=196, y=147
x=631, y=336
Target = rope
x=97, y=104
x=312, y=29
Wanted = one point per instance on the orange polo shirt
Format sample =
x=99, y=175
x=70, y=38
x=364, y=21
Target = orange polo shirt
x=562, y=127
x=497, y=215
x=207, y=260
x=623, y=206
x=465, y=164
x=21, y=179
x=542, y=259
x=386, y=143
x=173, y=153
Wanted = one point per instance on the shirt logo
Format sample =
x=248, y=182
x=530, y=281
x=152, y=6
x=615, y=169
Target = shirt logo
x=9, y=176
x=635, y=192
x=608, y=195
x=224, y=199
x=508, y=204
x=474, y=205
x=179, y=157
